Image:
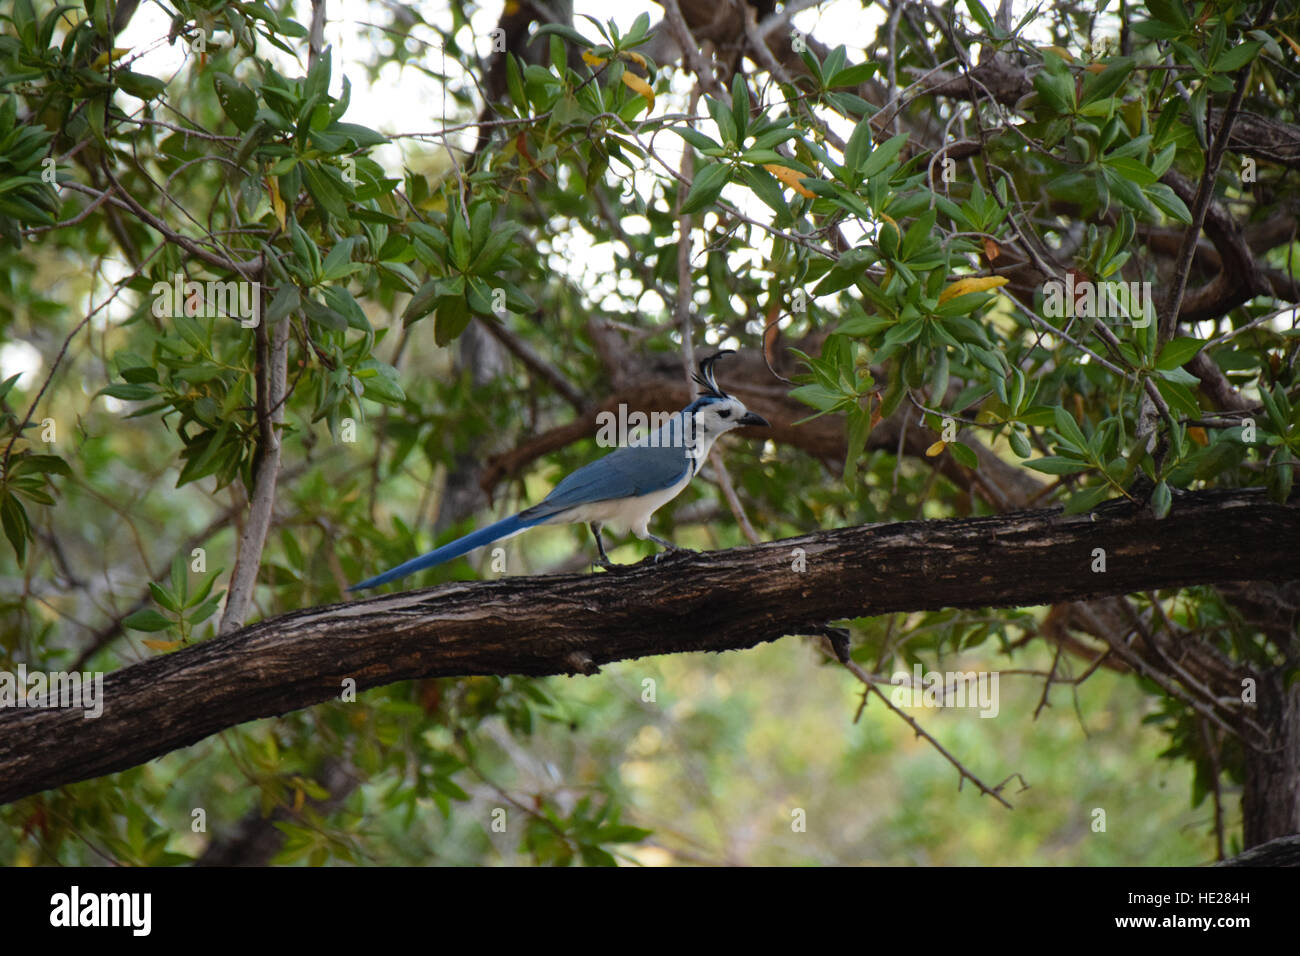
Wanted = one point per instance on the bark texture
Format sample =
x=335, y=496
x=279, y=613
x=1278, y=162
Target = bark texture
x=718, y=601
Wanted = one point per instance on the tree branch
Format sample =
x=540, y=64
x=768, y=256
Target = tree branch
x=272, y=376
x=725, y=600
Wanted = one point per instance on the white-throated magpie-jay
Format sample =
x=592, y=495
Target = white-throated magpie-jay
x=624, y=488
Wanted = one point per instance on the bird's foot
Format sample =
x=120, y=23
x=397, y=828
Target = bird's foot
x=672, y=553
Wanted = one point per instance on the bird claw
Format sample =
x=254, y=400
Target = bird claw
x=672, y=553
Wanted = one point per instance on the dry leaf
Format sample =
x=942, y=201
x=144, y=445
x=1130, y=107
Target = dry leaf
x=791, y=178
x=638, y=85
x=973, y=284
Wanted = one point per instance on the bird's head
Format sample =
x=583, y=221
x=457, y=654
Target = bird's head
x=715, y=412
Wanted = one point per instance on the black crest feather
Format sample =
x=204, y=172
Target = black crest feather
x=705, y=375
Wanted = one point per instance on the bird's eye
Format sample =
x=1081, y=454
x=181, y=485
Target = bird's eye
x=724, y=413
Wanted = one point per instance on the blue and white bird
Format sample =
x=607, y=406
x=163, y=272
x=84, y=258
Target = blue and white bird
x=624, y=488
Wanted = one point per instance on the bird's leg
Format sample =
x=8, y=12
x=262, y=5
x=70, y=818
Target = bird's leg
x=604, y=561
x=662, y=542
x=668, y=546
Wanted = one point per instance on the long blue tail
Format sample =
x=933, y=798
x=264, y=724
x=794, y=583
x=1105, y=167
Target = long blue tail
x=475, y=539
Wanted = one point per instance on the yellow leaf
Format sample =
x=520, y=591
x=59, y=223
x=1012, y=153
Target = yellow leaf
x=936, y=449
x=636, y=58
x=1197, y=434
x=1062, y=52
x=161, y=645
x=1096, y=68
x=299, y=798
x=277, y=201
x=638, y=85
x=1295, y=46
x=114, y=54
x=791, y=178
x=972, y=284
x=591, y=59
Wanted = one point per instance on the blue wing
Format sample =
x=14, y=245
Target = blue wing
x=628, y=472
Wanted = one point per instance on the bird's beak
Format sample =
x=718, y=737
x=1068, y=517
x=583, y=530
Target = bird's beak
x=749, y=418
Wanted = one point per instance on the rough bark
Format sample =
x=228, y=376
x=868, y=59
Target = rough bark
x=693, y=602
x=1270, y=798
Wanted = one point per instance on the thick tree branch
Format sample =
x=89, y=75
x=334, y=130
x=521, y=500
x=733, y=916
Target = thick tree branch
x=707, y=602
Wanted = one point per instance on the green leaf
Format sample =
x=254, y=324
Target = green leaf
x=853, y=75
x=1161, y=500
x=286, y=300
x=1132, y=170
x=43, y=464
x=127, y=392
x=883, y=155
x=818, y=396
x=422, y=302
x=706, y=188
x=147, y=619
x=1237, y=57
x=9, y=383
x=726, y=123
x=964, y=454
x=1178, y=352
x=163, y=597
x=17, y=528
x=1068, y=428
x=237, y=100
x=621, y=833
x=453, y=316
x=141, y=85
x=695, y=138
x=1055, y=86
x=1101, y=85
x=1281, y=476
x=566, y=31
x=740, y=105
x=981, y=16
x=1087, y=500
x=1168, y=202
x=1056, y=465
x=515, y=83
x=324, y=190
x=1170, y=12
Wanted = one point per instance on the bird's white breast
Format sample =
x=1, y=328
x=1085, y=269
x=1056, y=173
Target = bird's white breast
x=630, y=513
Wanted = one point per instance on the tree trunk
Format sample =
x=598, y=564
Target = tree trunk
x=1270, y=799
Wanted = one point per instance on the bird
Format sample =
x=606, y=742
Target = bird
x=624, y=487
